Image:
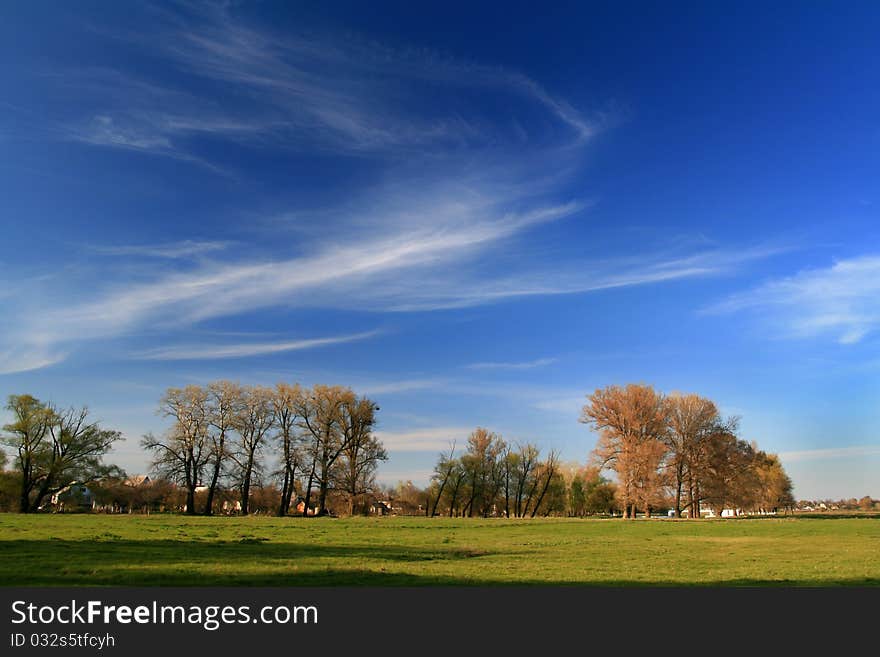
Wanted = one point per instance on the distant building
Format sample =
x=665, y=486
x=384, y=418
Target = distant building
x=75, y=497
x=137, y=480
x=381, y=508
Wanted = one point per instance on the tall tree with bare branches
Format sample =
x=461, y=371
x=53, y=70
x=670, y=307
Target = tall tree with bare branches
x=286, y=401
x=632, y=422
x=183, y=452
x=253, y=422
x=224, y=406
x=440, y=479
x=547, y=471
x=361, y=450
x=692, y=419
x=331, y=417
x=525, y=464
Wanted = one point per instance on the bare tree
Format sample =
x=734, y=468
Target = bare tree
x=442, y=473
x=691, y=420
x=549, y=469
x=182, y=454
x=456, y=477
x=321, y=418
x=224, y=401
x=361, y=451
x=632, y=422
x=253, y=423
x=525, y=465
x=285, y=402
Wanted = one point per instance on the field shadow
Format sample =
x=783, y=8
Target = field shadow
x=168, y=562
x=60, y=562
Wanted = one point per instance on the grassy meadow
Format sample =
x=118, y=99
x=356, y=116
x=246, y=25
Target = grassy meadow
x=165, y=550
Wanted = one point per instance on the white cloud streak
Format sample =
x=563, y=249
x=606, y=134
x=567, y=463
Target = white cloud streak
x=569, y=278
x=396, y=387
x=842, y=301
x=304, y=91
x=242, y=350
x=424, y=241
x=525, y=365
x=171, y=250
x=435, y=439
x=397, y=273
x=26, y=358
x=420, y=477
x=830, y=453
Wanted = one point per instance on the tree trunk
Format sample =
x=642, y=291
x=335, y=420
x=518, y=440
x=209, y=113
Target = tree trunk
x=245, y=491
x=439, y=496
x=215, y=477
x=285, y=494
x=322, y=496
x=190, y=501
x=453, y=500
x=691, y=501
x=678, y=484
x=543, y=492
x=308, y=496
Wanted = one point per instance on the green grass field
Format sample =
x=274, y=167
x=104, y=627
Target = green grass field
x=164, y=550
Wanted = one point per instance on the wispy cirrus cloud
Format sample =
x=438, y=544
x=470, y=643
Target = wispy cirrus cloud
x=308, y=91
x=432, y=236
x=29, y=357
x=523, y=365
x=241, y=350
x=830, y=453
x=126, y=134
x=572, y=277
x=292, y=72
x=424, y=440
x=348, y=275
x=168, y=250
x=841, y=301
x=419, y=476
x=324, y=279
x=400, y=386
x=398, y=273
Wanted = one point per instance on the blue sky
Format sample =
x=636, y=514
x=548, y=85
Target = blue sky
x=475, y=215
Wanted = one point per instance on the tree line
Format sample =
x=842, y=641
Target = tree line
x=512, y=480
x=293, y=449
x=287, y=443
x=678, y=450
x=227, y=435
x=671, y=452
x=491, y=477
